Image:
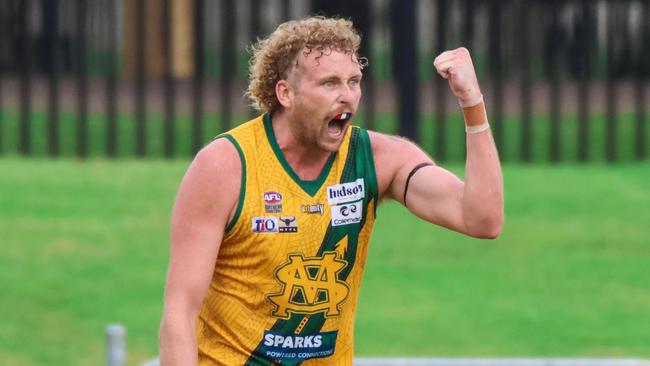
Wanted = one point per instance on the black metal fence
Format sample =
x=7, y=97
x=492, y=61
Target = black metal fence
x=563, y=80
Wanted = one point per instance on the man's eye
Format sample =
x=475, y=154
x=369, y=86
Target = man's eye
x=328, y=83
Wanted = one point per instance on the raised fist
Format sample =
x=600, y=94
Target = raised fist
x=456, y=66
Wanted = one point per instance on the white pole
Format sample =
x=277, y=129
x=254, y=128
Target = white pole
x=115, y=345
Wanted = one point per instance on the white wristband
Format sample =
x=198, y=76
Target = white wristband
x=477, y=129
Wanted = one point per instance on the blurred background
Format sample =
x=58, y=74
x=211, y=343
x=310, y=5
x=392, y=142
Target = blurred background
x=564, y=80
x=104, y=102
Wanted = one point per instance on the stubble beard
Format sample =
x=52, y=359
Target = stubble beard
x=314, y=138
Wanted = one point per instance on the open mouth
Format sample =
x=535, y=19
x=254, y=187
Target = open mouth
x=336, y=126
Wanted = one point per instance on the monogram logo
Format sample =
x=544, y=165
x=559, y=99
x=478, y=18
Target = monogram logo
x=310, y=285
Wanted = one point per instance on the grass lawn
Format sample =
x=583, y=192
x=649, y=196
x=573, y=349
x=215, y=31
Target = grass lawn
x=84, y=244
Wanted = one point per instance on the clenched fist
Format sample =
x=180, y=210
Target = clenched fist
x=456, y=66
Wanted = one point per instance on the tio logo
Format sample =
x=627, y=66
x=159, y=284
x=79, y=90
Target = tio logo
x=265, y=225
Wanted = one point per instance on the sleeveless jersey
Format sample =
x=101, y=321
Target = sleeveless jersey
x=286, y=280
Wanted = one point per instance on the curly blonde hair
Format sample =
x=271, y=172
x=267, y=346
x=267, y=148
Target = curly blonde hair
x=274, y=57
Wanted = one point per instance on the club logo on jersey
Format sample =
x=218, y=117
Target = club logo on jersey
x=346, y=214
x=318, y=208
x=272, y=202
x=310, y=285
x=345, y=192
x=288, y=224
x=265, y=224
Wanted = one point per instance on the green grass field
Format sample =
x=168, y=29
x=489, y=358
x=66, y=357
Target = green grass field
x=84, y=244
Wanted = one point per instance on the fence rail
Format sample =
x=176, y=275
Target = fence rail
x=563, y=80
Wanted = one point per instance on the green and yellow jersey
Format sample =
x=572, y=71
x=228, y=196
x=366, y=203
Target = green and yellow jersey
x=285, y=285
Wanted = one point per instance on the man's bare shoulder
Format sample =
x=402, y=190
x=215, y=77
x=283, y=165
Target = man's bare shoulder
x=219, y=153
x=390, y=144
x=216, y=169
x=393, y=154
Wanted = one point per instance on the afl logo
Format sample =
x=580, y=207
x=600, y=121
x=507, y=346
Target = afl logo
x=272, y=202
x=272, y=198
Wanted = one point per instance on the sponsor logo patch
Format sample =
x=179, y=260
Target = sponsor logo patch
x=345, y=192
x=272, y=202
x=265, y=224
x=318, y=208
x=346, y=214
x=297, y=347
x=288, y=224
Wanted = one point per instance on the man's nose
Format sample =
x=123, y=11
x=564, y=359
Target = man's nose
x=347, y=93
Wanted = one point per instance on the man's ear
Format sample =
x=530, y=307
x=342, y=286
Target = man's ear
x=284, y=93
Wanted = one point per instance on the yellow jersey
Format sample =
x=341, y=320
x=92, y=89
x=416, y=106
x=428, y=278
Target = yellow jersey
x=286, y=280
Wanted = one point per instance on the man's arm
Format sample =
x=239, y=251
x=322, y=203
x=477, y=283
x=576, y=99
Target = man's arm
x=473, y=207
x=204, y=204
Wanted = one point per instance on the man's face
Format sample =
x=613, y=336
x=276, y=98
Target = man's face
x=324, y=86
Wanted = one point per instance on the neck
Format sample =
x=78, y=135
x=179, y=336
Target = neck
x=306, y=160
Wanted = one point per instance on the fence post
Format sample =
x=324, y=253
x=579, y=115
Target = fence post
x=555, y=44
x=440, y=84
x=610, y=85
x=111, y=69
x=2, y=29
x=168, y=51
x=286, y=10
x=82, y=79
x=115, y=345
x=140, y=79
x=526, y=82
x=641, y=84
x=255, y=10
x=495, y=62
x=403, y=29
x=199, y=75
x=586, y=46
x=228, y=61
x=25, y=132
x=51, y=33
